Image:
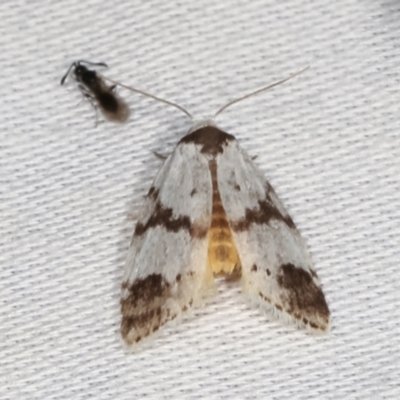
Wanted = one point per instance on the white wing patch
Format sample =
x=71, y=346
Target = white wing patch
x=166, y=269
x=277, y=270
x=209, y=211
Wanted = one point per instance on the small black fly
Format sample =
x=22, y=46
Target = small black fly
x=99, y=94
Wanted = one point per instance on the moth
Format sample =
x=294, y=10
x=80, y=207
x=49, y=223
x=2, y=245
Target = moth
x=210, y=211
x=99, y=94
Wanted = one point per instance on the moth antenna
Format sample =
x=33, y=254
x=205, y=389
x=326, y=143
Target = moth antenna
x=257, y=92
x=149, y=95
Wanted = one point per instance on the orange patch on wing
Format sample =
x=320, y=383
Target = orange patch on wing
x=223, y=257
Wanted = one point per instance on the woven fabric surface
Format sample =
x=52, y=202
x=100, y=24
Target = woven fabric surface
x=327, y=140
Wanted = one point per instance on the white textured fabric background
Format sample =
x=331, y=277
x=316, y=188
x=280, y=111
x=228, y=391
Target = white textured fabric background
x=327, y=140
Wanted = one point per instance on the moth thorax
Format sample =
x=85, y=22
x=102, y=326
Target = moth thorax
x=223, y=257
